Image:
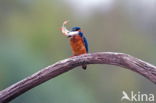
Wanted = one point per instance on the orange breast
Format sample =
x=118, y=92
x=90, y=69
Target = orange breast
x=77, y=45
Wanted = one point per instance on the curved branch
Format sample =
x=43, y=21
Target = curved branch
x=119, y=59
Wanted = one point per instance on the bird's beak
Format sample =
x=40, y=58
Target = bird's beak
x=69, y=36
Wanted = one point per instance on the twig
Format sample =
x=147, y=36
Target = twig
x=119, y=59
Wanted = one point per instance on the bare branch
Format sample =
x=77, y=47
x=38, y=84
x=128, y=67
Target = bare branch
x=119, y=59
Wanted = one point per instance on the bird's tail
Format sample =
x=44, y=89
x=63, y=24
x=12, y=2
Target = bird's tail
x=84, y=66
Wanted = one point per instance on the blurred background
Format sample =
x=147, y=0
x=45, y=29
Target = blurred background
x=30, y=39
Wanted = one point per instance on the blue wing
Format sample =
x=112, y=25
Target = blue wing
x=85, y=41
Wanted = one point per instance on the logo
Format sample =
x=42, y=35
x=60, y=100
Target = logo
x=138, y=96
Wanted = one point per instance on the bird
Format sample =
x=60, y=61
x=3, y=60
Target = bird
x=78, y=41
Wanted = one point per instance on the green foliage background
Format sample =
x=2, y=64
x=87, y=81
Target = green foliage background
x=30, y=39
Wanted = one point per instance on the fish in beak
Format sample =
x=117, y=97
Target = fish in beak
x=66, y=32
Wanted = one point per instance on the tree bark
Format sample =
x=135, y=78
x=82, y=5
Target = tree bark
x=118, y=59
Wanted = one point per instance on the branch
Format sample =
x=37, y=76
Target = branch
x=119, y=59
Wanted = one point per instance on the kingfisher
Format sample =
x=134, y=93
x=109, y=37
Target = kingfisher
x=78, y=41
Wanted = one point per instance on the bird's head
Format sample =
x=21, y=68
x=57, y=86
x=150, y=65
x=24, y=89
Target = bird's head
x=76, y=29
